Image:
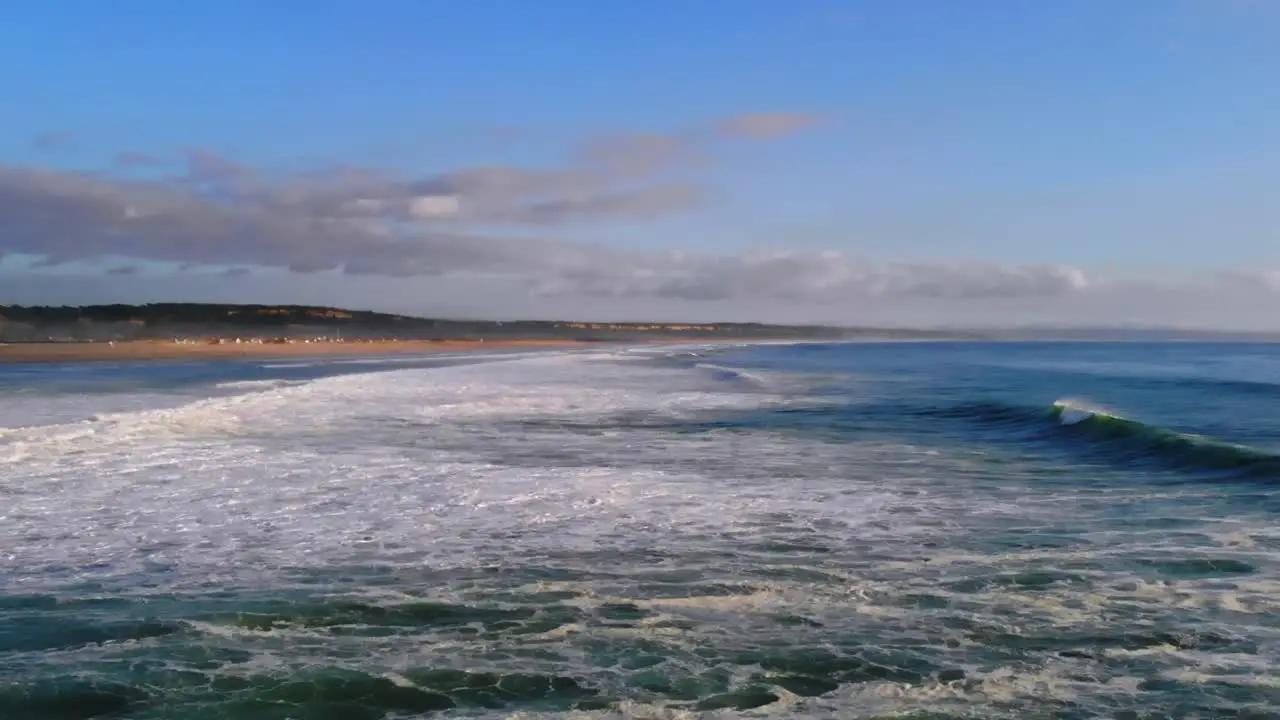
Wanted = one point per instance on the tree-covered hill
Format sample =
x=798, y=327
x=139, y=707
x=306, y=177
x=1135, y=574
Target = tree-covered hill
x=123, y=322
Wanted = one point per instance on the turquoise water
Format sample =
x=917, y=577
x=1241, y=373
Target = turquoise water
x=860, y=530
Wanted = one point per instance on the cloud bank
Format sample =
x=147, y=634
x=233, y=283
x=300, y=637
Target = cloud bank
x=493, y=223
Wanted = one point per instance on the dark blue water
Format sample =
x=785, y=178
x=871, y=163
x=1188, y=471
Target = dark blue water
x=862, y=530
x=1148, y=397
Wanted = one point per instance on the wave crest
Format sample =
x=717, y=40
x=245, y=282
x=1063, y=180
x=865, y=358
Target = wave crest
x=1121, y=439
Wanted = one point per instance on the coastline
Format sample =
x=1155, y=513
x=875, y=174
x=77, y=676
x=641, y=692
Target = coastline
x=145, y=350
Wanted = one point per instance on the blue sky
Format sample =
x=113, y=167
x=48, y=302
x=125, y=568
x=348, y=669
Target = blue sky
x=1138, y=137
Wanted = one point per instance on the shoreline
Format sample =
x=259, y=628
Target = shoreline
x=148, y=350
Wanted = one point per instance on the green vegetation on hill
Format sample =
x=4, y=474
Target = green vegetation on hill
x=122, y=322
x=197, y=313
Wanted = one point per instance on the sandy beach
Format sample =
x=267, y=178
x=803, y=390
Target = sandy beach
x=169, y=350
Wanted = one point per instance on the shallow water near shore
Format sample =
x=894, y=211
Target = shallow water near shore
x=829, y=530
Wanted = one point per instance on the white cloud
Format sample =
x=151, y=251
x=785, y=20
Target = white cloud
x=368, y=225
x=222, y=212
x=1261, y=278
x=430, y=206
x=822, y=277
x=1193, y=300
x=501, y=248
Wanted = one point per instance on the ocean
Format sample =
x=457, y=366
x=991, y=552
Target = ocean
x=863, y=530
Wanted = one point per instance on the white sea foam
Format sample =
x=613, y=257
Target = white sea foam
x=26, y=410
x=1077, y=410
x=566, y=464
x=736, y=375
x=258, y=384
x=294, y=474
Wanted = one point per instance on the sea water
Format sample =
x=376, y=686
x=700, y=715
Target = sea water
x=827, y=530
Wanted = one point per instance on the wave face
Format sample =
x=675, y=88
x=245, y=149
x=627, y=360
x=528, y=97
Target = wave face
x=857, y=530
x=1087, y=432
x=1129, y=438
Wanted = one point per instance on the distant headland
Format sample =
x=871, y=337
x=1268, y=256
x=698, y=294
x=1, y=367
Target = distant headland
x=281, y=323
x=200, y=330
x=210, y=330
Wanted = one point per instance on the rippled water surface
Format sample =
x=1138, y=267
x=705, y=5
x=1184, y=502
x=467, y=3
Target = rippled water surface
x=863, y=530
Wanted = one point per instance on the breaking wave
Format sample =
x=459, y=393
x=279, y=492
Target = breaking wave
x=1118, y=438
x=259, y=384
